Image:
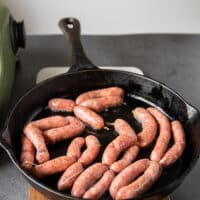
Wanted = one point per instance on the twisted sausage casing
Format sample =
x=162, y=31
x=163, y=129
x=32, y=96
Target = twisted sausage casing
x=27, y=155
x=104, y=92
x=149, y=126
x=178, y=147
x=87, y=178
x=89, y=117
x=74, y=128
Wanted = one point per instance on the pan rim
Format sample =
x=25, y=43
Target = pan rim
x=97, y=70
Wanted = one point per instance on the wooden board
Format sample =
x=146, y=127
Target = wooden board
x=35, y=195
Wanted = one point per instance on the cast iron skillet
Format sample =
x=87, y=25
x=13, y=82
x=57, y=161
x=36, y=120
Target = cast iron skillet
x=84, y=76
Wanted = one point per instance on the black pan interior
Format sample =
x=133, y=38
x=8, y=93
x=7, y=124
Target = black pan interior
x=139, y=90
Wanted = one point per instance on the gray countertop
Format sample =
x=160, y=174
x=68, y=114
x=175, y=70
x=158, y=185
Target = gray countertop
x=171, y=59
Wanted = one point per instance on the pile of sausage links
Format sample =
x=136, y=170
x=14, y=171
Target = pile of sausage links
x=123, y=176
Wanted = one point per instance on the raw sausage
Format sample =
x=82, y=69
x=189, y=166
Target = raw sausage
x=50, y=122
x=89, y=117
x=69, y=176
x=123, y=128
x=149, y=126
x=60, y=104
x=112, y=151
x=74, y=128
x=92, y=151
x=27, y=155
x=102, y=103
x=87, y=178
x=74, y=148
x=88, y=156
x=127, y=175
x=111, y=91
x=141, y=184
x=164, y=134
x=97, y=190
x=129, y=156
x=178, y=147
x=53, y=166
x=34, y=134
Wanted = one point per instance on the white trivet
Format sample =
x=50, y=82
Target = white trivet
x=48, y=72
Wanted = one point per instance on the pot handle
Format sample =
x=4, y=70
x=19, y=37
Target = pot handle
x=71, y=29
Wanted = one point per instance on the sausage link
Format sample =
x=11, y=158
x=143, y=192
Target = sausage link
x=149, y=126
x=89, y=117
x=74, y=128
x=164, y=134
x=112, y=151
x=102, y=103
x=50, y=122
x=60, y=104
x=178, y=147
x=97, y=190
x=34, y=134
x=69, y=176
x=123, y=128
x=74, y=148
x=87, y=178
x=53, y=166
x=111, y=91
x=129, y=156
x=92, y=151
x=27, y=155
x=127, y=175
x=141, y=184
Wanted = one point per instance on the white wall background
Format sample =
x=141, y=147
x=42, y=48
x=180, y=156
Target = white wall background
x=109, y=16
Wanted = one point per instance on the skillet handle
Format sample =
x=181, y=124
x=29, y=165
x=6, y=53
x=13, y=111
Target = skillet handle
x=4, y=141
x=71, y=29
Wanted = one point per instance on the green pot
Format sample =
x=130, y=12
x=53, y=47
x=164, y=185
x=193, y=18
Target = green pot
x=11, y=38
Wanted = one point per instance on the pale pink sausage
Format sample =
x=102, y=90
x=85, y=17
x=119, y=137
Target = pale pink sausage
x=93, y=147
x=74, y=148
x=111, y=91
x=89, y=117
x=178, y=147
x=164, y=134
x=118, y=145
x=34, y=134
x=129, y=156
x=50, y=122
x=102, y=103
x=123, y=128
x=97, y=190
x=127, y=175
x=53, y=166
x=74, y=128
x=141, y=184
x=87, y=178
x=60, y=104
x=27, y=155
x=149, y=126
x=69, y=176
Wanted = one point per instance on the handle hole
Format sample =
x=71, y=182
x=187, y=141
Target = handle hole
x=70, y=25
